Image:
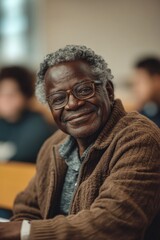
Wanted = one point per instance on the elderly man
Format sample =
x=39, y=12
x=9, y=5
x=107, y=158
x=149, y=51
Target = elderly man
x=98, y=177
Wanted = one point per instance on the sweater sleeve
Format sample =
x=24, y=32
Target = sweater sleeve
x=26, y=204
x=128, y=200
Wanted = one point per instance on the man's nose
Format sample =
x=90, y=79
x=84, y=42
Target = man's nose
x=73, y=102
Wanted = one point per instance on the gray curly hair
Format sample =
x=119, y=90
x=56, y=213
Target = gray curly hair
x=98, y=65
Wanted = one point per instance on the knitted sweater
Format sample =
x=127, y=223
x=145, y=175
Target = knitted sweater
x=118, y=190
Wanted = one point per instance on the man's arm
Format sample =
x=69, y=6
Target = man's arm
x=26, y=204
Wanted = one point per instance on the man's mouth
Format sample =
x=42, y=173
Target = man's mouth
x=78, y=117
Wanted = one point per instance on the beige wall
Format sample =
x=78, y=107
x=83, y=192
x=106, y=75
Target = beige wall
x=120, y=30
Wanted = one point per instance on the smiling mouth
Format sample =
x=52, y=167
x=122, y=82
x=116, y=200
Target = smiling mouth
x=79, y=118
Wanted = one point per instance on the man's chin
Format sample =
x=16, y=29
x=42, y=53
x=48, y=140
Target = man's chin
x=82, y=133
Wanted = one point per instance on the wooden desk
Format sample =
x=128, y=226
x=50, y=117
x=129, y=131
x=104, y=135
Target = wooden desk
x=14, y=177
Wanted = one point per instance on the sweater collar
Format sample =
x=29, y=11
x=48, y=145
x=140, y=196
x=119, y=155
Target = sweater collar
x=109, y=129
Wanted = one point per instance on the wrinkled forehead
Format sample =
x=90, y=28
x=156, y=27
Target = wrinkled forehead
x=68, y=70
x=65, y=75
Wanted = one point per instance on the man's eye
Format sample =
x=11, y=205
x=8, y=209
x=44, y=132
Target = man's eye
x=57, y=100
x=84, y=91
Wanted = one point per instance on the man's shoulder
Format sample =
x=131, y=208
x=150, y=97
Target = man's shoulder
x=124, y=125
x=135, y=122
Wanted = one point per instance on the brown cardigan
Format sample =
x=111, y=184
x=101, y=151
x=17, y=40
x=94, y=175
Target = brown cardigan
x=118, y=191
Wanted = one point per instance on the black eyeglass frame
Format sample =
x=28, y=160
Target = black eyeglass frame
x=67, y=92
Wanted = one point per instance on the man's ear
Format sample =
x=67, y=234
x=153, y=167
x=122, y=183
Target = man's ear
x=110, y=90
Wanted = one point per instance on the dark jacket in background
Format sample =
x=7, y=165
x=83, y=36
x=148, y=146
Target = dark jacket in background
x=26, y=135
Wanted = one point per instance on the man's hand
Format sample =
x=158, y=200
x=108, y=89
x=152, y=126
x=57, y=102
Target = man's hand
x=10, y=230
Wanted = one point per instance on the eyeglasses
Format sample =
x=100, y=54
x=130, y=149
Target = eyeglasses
x=81, y=91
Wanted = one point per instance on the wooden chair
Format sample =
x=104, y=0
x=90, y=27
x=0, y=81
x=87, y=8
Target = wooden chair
x=14, y=177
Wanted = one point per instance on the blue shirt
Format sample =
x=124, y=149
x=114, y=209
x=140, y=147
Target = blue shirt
x=69, y=152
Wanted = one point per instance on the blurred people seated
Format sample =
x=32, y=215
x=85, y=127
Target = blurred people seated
x=22, y=131
x=146, y=82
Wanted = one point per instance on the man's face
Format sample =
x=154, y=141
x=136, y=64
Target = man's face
x=78, y=118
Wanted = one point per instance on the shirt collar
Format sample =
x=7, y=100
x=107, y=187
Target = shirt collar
x=69, y=152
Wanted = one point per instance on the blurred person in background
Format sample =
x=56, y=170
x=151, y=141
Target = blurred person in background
x=22, y=131
x=146, y=82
